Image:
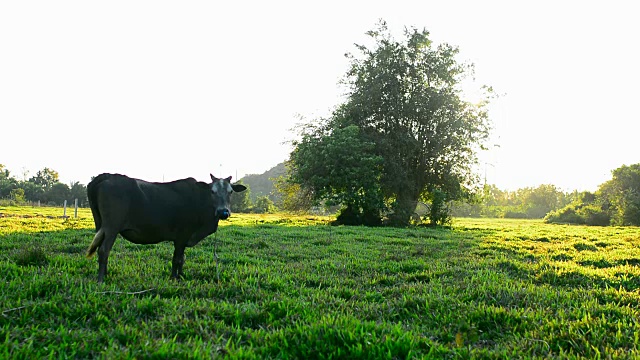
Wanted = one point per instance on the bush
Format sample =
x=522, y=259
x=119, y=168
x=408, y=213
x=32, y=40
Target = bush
x=8, y=202
x=351, y=216
x=17, y=195
x=566, y=215
x=439, y=211
x=579, y=214
x=595, y=216
x=536, y=211
x=264, y=205
x=510, y=214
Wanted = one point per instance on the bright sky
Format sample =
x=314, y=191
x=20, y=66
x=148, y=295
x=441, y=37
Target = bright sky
x=172, y=89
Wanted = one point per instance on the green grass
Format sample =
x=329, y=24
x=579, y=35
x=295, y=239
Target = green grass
x=294, y=287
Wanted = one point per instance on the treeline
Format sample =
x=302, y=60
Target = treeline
x=525, y=203
x=616, y=202
x=44, y=188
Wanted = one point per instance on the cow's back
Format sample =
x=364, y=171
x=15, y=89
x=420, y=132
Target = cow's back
x=173, y=210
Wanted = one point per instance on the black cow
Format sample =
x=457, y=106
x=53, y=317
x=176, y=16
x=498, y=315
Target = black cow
x=183, y=211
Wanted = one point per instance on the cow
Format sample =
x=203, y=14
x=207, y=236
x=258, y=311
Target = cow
x=182, y=211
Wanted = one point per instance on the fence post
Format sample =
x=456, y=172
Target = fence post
x=64, y=214
x=76, y=212
x=38, y=203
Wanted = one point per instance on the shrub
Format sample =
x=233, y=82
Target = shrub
x=351, y=216
x=579, y=214
x=439, y=213
x=594, y=215
x=510, y=214
x=8, y=202
x=264, y=205
x=566, y=215
x=17, y=195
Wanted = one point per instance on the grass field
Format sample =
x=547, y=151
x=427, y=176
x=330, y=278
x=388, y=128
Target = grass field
x=294, y=287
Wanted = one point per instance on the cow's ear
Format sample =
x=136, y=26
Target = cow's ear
x=228, y=179
x=238, y=187
x=213, y=178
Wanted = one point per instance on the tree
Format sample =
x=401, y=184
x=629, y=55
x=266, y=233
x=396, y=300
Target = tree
x=78, y=191
x=241, y=202
x=406, y=99
x=340, y=167
x=621, y=195
x=32, y=192
x=58, y=193
x=541, y=200
x=7, y=185
x=17, y=195
x=4, y=172
x=45, y=178
x=292, y=197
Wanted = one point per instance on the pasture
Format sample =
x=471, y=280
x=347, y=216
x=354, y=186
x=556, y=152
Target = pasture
x=294, y=287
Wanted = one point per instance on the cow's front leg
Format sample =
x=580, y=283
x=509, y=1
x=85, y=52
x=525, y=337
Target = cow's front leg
x=178, y=260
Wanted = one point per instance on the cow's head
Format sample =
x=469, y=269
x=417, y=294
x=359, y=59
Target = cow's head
x=221, y=190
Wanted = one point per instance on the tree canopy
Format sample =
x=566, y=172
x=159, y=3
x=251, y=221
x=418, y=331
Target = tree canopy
x=45, y=178
x=405, y=99
x=341, y=167
x=621, y=195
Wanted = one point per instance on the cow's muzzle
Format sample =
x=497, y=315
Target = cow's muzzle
x=223, y=214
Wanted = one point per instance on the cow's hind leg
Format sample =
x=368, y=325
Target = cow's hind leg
x=178, y=261
x=103, y=253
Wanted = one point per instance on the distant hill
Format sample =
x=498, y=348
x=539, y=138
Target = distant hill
x=262, y=184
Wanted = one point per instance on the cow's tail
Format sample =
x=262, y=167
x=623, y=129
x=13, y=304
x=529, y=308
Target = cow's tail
x=95, y=244
x=92, y=195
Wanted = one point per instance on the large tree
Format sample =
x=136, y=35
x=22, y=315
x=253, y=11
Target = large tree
x=45, y=178
x=406, y=98
x=32, y=192
x=4, y=172
x=7, y=183
x=292, y=197
x=620, y=196
x=539, y=201
x=58, y=193
x=78, y=191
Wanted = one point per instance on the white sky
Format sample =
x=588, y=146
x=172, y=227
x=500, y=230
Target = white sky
x=172, y=89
